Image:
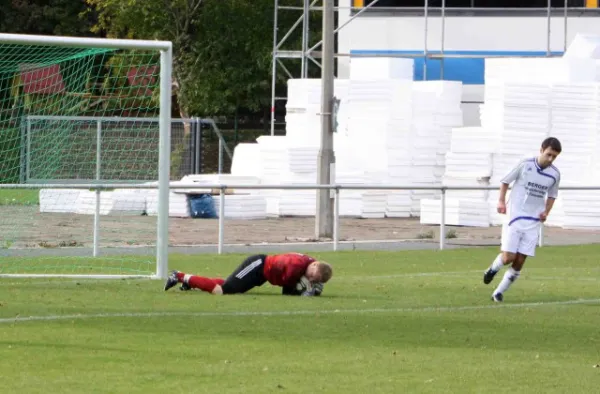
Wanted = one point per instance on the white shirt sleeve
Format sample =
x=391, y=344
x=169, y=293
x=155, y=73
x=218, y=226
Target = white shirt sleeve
x=513, y=174
x=553, y=191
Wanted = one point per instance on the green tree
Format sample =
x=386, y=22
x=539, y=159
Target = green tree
x=222, y=48
x=50, y=17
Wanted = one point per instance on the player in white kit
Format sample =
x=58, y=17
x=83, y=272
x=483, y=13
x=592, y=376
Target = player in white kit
x=532, y=196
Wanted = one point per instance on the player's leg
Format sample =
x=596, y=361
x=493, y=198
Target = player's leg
x=186, y=287
x=527, y=244
x=508, y=252
x=511, y=275
x=247, y=276
x=189, y=282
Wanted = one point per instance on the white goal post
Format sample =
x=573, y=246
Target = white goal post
x=164, y=140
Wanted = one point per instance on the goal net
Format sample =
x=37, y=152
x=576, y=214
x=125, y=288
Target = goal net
x=77, y=113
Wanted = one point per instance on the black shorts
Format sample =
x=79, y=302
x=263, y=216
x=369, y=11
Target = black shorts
x=247, y=276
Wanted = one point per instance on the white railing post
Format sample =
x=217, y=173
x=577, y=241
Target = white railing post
x=221, y=219
x=336, y=218
x=443, y=219
x=220, y=155
x=96, y=249
x=164, y=163
x=28, y=152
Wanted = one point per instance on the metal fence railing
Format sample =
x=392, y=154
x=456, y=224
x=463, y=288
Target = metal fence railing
x=221, y=219
x=67, y=148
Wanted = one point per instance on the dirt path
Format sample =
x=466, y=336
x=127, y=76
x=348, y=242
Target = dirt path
x=24, y=226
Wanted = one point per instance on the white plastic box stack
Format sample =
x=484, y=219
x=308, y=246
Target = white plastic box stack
x=576, y=123
x=378, y=132
x=273, y=160
x=436, y=110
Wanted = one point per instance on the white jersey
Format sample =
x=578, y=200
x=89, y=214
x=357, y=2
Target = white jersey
x=528, y=194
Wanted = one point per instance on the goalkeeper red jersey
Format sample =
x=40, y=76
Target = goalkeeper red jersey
x=286, y=269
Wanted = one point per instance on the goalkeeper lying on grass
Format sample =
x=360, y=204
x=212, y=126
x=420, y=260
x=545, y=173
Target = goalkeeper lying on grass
x=296, y=273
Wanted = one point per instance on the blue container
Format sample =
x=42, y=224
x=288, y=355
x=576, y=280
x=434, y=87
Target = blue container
x=202, y=206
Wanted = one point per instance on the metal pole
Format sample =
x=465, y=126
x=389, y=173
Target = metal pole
x=23, y=157
x=305, y=15
x=220, y=155
x=426, y=32
x=336, y=219
x=221, y=220
x=198, y=145
x=164, y=164
x=28, y=152
x=324, y=219
x=98, y=194
x=548, y=22
x=565, y=18
x=443, y=39
x=274, y=68
x=443, y=220
x=371, y=4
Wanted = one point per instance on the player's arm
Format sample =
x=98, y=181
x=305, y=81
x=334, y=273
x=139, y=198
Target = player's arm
x=505, y=182
x=552, y=195
x=291, y=291
x=502, y=198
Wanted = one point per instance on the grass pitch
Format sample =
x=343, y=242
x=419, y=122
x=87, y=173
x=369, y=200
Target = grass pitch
x=388, y=322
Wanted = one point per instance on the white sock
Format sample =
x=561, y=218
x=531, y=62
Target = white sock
x=186, y=278
x=498, y=263
x=509, y=277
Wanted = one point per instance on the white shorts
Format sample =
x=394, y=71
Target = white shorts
x=519, y=241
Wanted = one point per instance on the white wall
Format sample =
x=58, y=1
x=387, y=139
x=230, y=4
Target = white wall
x=525, y=33
x=461, y=33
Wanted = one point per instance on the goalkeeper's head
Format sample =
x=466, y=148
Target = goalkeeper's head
x=319, y=272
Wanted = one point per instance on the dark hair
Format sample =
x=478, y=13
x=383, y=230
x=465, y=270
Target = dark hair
x=552, y=143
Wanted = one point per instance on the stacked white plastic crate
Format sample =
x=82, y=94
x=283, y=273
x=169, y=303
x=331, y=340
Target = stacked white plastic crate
x=302, y=141
x=377, y=134
x=273, y=160
x=575, y=122
x=373, y=141
x=301, y=147
x=436, y=110
x=468, y=163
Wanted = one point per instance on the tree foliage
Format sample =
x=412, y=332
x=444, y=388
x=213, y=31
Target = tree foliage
x=50, y=17
x=222, y=48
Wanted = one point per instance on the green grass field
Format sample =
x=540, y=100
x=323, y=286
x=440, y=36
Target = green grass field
x=19, y=197
x=403, y=322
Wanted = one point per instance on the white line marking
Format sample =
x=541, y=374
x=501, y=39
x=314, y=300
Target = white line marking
x=565, y=278
x=295, y=313
x=528, y=273
x=410, y=275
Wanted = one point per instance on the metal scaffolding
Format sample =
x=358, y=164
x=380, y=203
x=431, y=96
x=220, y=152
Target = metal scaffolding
x=311, y=55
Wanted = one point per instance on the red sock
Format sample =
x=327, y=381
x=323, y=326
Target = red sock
x=180, y=276
x=202, y=283
x=218, y=281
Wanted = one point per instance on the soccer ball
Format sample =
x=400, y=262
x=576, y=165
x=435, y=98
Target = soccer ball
x=303, y=285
